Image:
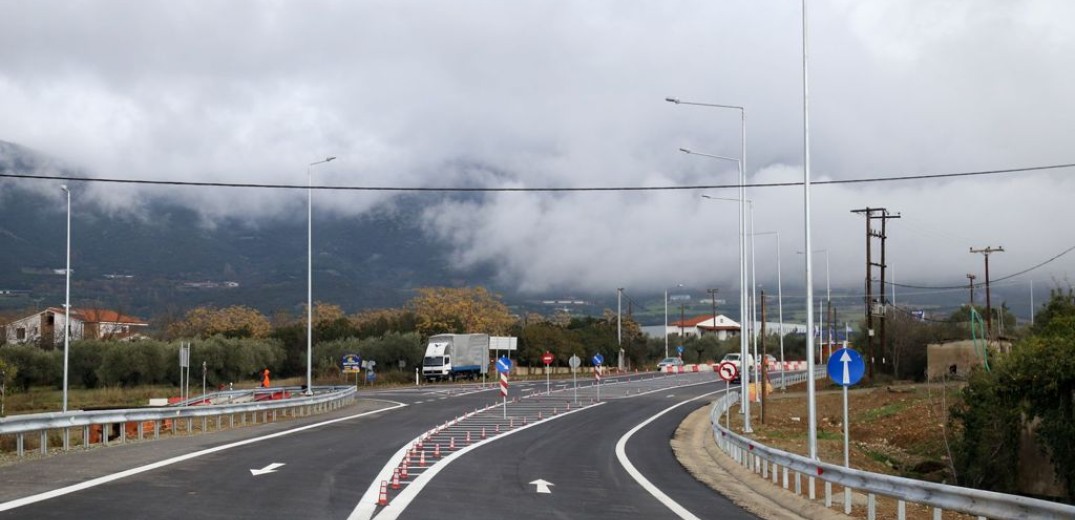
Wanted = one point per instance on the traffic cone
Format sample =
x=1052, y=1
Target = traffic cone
x=436, y=450
x=468, y=436
x=451, y=444
x=554, y=411
x=511, y=422
x=539, y=414
x=395, y=478
x=382, y=497
x=403, y=472
x=497, y=428
x=483, y=432
x=422, y=459
x=524, y=419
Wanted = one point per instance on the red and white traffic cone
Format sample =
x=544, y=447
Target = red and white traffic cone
x=403, y=471
x=395, y=478
x=524, y=419
x=554, y=411
x=539, y=414
x=511, y=422
x=468, y=436
x=422, y=459
x=382, y=497
x=497, y=428
x=483, y=432
x=436, y=450
x=451, y=444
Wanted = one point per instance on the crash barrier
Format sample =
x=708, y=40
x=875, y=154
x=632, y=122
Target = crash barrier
x=87, y=428
x=781, y=467
x=712, y=367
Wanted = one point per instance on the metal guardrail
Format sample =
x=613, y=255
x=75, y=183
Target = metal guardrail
x=102, y=422
x=771, y=463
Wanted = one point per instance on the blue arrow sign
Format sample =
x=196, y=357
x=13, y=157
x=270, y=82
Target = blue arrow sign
x=846, y=367
x=598, y=359
x=679, y=349
x=503, y=365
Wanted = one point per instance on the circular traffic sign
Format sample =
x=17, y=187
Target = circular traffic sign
x=598, y=359
x=846, y=367
x=574, y=362
x=547, y=358
x=727, y=371
x=503, y=365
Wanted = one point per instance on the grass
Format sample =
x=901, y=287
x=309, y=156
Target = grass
x=885, y=411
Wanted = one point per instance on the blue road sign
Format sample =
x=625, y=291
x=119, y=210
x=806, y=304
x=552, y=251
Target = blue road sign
x=679, y=348
x=846, y=367
x=598, y=359
x=351, y=361
x=503, y=365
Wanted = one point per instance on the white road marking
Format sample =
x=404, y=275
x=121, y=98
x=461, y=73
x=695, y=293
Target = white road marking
x=271, y=468
x=621, y=454
x=41, y=497
x=542, y=485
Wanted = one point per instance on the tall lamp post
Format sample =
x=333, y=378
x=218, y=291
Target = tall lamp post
x=666, y=319
x=310, y=273
x=779, y=301
x=742, y=234
x=67, y=300
x=828, y=299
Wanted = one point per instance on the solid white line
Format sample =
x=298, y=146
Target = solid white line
x=396, y=506
x=621, y=454
x=40, y=497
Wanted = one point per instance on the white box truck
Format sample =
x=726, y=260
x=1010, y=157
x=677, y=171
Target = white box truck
x=456, y=356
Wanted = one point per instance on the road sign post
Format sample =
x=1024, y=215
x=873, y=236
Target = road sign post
x=503, y=366
x=727, y=371
x=547, y=358
x=846, y=368
x=574, y=363
x=598, y=359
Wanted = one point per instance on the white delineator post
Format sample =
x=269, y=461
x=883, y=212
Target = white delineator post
x=504, y=391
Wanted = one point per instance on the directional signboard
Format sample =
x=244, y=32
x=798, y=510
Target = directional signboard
x=598, y=359
x=503, y=364
x=727, y=371
x=547, y=358
x=846, y=367
x=679, y=348
x=351, y=362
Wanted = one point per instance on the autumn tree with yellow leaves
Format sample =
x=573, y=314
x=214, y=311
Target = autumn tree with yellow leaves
x=237, y=321
x=460, y=310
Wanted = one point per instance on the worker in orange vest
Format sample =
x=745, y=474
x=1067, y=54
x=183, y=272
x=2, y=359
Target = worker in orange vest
x=265, y=378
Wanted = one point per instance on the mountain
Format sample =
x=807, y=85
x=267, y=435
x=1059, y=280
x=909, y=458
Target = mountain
x=168, y=262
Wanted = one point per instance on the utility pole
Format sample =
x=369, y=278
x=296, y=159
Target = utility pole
x=988, y=305
x=619, y=325
x=970, y=285
x=713, y=299
x=875, y=307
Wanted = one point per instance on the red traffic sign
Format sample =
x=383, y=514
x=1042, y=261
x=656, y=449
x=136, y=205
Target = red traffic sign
x=547, y=358
x=727, y=371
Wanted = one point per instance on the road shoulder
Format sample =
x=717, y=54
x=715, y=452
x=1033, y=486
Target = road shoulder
x=694, y=447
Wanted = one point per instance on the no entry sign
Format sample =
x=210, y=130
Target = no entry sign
x=547, y=358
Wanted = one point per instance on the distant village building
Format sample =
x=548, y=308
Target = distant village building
x=722, y=326
x=46, y=327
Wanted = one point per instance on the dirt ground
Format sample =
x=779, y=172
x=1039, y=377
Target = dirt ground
x=898, y=429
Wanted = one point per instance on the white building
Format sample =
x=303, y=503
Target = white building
x=46, y=327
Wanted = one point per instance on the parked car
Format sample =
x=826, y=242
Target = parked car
x=670, y=362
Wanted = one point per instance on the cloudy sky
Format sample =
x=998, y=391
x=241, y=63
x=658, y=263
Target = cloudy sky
x=561, y=94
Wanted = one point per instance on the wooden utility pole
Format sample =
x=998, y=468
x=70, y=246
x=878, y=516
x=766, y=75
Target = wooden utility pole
x=875, y=307
x=970, y=285
x=764, y=363
x=988, y=305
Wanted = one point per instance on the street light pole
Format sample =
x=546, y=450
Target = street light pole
x=666, y=318
x=310, y=273
x=742, y=241
x=808, y=246
x=67, y=302
x=780, y=301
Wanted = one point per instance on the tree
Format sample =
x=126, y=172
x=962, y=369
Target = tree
x=237, y=321
x=460, y=310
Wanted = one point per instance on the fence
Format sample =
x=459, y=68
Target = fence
x=778, y=466
x=104, y=426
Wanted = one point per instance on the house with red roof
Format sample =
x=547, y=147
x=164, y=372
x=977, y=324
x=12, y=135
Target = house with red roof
x=722, y=326
x=46, y=328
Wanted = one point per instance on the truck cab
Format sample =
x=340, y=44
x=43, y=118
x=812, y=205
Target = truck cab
x=437, y=363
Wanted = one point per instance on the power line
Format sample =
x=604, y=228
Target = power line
x=1001, y=279
x=544, y=190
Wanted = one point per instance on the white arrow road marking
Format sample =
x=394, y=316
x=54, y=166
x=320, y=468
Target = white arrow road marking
x=542, y=485
x=271, y=468
x=846, y=360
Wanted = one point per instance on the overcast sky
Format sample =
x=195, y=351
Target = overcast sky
x=571, y=94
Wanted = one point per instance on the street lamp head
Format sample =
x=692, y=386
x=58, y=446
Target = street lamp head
x=685, y=150
x=64, y=188
x=327, y=159
x=672, y=100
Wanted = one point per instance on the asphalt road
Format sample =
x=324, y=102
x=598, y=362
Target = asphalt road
x=326, y=469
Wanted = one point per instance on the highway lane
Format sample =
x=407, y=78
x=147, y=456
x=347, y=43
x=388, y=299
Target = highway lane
x=326, y=470
x=577, y=455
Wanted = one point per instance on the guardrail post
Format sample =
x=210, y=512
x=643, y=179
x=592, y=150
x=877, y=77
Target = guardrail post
x=937, y=512
x=205, y=424
x=785, y=471
x=813, y=491
x=798, y=483
x=828, y=494
x=218, y=419
x=19, y=443
x=123, y=433
x=44, y=444
x=774, y=472
x=156, y=429
x=141, y=429
x=86, y=437
x=871, y=506
x=847, y=502
x=66, y=439
x=901, y=510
